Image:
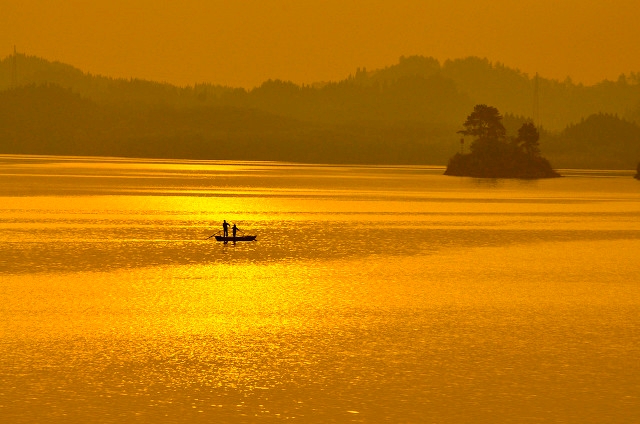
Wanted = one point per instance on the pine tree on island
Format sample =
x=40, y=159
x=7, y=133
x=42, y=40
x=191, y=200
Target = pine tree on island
x=494, y=154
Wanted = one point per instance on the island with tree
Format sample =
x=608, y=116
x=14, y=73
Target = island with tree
x=494, y=154
x=637, y=177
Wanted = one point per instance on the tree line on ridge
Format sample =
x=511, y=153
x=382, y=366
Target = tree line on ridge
x=406, y=113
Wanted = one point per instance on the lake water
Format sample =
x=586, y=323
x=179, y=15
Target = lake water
x=372, y=294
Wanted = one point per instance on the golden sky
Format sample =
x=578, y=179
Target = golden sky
x=244, y=42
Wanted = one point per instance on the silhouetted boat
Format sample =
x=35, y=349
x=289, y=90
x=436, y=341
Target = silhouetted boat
x=236, y=238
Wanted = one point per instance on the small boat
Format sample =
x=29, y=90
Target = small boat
x=236, y=238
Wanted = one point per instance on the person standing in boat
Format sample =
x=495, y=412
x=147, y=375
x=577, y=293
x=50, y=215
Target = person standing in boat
x=234, y=229
x=225, y=228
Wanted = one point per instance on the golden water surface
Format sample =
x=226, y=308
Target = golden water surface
x=372, y=294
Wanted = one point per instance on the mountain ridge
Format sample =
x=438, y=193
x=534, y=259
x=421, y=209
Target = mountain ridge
x=413, y=107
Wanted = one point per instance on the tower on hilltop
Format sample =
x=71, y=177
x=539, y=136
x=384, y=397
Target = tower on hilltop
x=14, y=69
x=536, y=102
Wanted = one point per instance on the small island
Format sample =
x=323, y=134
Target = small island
x=494, y=154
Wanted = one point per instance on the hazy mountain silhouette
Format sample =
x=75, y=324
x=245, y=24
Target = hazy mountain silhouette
x=597, y=141
x=406, y=113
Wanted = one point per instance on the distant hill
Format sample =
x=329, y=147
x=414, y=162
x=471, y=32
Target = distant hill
x=416, y=88
x=598, y=141
x=408, y=112
x=50, y=119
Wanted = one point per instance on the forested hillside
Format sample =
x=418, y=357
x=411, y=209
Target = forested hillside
x=406, y=113
x=597, y=141
x=49, y=119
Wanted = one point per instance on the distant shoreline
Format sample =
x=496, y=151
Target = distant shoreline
x=406, y=113
x=5, y=157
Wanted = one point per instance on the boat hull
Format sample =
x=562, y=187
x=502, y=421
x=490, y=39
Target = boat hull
x=237, y=238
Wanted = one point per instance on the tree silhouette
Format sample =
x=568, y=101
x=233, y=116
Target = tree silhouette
x=484, y=122
x=527, y=139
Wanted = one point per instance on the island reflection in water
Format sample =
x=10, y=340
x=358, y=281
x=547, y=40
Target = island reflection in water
x=372, y=294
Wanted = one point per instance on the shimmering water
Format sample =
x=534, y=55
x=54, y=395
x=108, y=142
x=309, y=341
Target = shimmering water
x=372, y=294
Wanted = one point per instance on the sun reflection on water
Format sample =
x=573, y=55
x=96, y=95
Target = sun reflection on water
x=371, y=294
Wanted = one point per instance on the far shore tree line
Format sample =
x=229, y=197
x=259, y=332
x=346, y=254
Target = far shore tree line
x=407, y=113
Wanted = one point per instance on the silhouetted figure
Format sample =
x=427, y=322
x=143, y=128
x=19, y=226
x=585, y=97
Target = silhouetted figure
x=234, y=229
x=225, y=228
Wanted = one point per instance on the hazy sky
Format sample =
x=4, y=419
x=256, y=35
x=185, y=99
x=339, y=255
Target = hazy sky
x=244, y=42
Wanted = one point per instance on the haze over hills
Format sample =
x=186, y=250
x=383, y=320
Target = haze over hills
x=408, y=112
